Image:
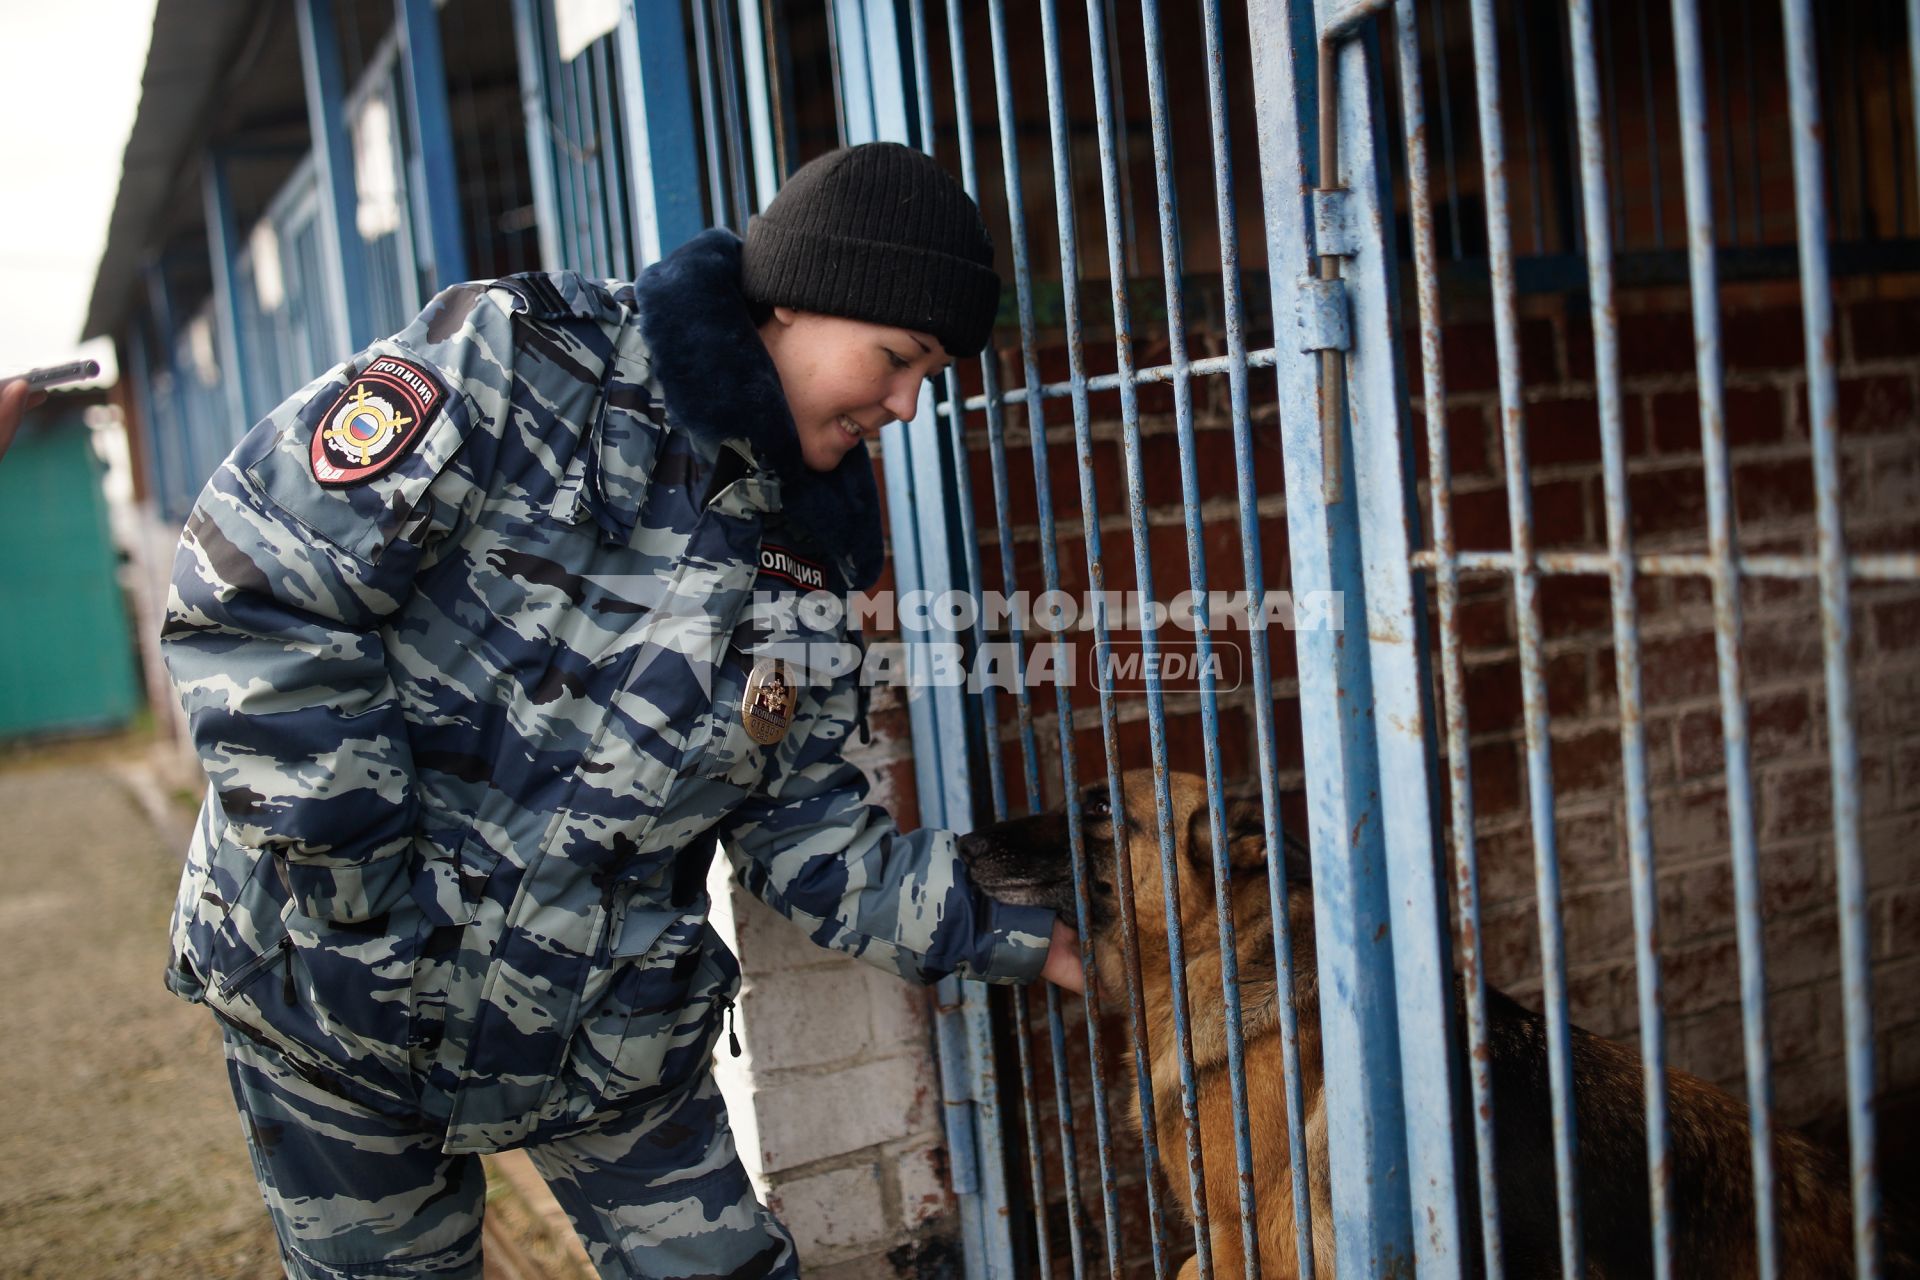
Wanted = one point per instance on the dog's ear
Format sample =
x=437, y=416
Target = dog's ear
x=1246, y=835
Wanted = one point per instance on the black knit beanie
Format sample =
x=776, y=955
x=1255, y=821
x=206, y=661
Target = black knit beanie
x=882, y=233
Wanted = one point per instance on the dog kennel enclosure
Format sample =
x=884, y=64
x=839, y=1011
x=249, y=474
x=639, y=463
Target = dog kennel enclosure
x=1563, y=353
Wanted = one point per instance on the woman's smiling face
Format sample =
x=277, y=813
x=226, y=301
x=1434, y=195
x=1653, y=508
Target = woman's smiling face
x=845, y=379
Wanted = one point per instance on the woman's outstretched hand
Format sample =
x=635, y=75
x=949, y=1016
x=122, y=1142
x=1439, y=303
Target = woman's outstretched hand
x=1062, y=968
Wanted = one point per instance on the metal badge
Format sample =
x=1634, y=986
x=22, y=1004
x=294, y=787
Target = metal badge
x=767, y=706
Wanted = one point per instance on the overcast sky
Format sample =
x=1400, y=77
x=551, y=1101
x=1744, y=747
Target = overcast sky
x=69, y=86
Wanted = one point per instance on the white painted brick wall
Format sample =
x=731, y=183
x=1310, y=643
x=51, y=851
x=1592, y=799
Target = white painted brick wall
x=835, y=1100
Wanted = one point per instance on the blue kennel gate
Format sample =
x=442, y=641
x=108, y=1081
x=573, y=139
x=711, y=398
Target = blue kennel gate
x=1392, y=844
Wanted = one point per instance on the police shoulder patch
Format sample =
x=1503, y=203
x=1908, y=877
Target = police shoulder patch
x=377, y=421
x=779, y=562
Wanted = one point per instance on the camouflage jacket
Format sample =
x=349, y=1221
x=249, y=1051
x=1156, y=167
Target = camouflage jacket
x=462, y=630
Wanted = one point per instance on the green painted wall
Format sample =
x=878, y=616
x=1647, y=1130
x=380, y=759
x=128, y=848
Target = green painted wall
x=66, y=658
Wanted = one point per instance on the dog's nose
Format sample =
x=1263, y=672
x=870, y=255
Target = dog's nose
x=971, y=847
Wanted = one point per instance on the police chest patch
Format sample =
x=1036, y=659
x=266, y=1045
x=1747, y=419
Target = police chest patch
x=377, y=421
x=778, y=562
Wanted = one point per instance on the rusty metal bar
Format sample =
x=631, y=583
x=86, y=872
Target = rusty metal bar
x=1466, y=882
x=1527, y=625
x=1892, y=566
x=1836, y=625
x=1723, y=539
x=1172, y=264
x=1622, y=580
x=1112, y=187
x=1254, y=577
x=1050, y=571
x=1261, y=359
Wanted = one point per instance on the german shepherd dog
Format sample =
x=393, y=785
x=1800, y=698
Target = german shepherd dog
x=1026, y=861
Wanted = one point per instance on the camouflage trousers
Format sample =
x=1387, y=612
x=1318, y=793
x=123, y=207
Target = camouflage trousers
x=355, y=1195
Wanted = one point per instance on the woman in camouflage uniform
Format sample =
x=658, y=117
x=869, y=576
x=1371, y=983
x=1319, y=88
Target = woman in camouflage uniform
x=484, y=636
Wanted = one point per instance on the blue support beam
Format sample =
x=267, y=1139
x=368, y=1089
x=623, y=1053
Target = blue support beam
x=1366, y=1136
x=656, y=102
x=349, y=327
x=438, y=242
x=223, y=250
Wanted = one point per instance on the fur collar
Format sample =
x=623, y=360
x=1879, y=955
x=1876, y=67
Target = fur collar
x=719, y=383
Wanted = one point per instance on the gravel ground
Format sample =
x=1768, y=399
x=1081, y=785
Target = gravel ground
x=120, y=1152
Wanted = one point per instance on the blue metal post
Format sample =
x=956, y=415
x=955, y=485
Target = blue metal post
x=1723, y=540
x=341, y=260
x=656, y=103
x=441, y=246
x=1836, y=625
x=1395, y=615
x=223, y=250
x=1366, y=1141
x=1626, y=621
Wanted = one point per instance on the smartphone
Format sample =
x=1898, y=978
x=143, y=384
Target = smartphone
x=53, y=375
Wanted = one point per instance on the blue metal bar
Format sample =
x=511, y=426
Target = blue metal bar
x=753, y=63
x=970, y=538
x=1893, y=566
x=223, y=250
x=1836, y=627
x=850, y=69
x=741, y=201
x=612, y=150
x=528, y=44
x=349, y=327
x=558, y=138
x=997, y=451
x=1396, y=650
x=1172, y=261
x=445, y=257
x=590, y=211
x=1261, y=359
x=923, y=81
x=1527, y=616
x=1626, y=624
x=1466, y=883
x=1254, y=576
x=656, y=117
x=1723, y=541
x=1077, y=1227
x=721, y=210
x=1365, y=1142
x=1061, y=153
